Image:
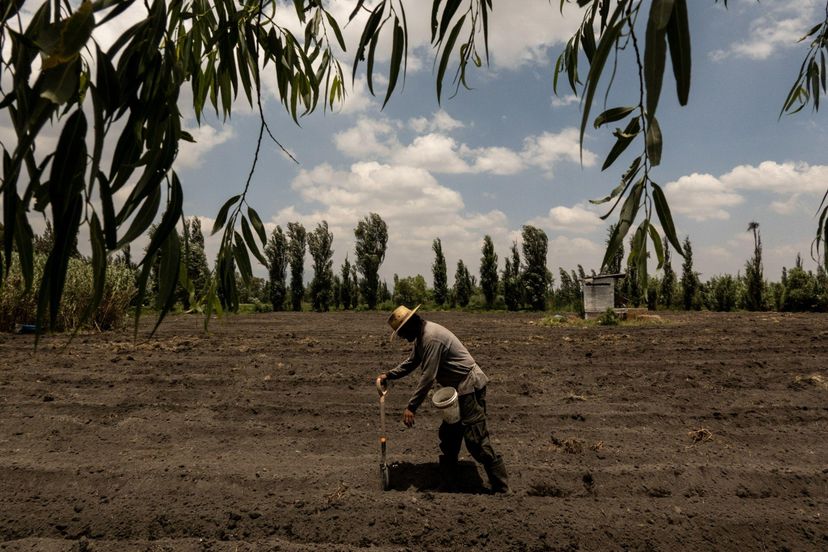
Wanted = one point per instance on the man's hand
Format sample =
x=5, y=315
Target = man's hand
x=408, y=418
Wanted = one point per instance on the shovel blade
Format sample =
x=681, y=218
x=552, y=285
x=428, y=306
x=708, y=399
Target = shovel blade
x=385, y=477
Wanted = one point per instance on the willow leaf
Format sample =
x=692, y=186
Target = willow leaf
x=448, y=48
x=98, y=267
x=619, y=232
x=613, y=114
x=665, y=218
x=242, y=259
x=596, y=68
x=625, y=181
x=448, y=13
x=659, y=247
x=396, y=60
x=660, y=13
x=222, y=214
x=623, y=141
x=655, y=53
x=678, y=38
x=170, y=253
x=256, y=221
x=143, y=219
x=24, y=237
x=251, y=241
x=654, y=142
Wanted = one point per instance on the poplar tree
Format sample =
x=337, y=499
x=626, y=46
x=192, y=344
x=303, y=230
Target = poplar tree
x=319, y=246
x=345, y=284
x=276, y=252
x=354, y=287
x=371, y=241
x=535, y=276
x=668, y=280
x=511, y=280
x=195, y=262
x=439, y=272
x=462, y=284
x=488, y=272
x=689, y=279
x=337, y=291
x=633, y=288
x=754, y=277
x=297, y=241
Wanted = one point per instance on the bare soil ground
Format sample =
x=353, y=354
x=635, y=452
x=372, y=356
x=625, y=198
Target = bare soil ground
x=700, y=432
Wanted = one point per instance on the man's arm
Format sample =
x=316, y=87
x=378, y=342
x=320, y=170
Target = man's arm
x=405, y=367
x=432, y=356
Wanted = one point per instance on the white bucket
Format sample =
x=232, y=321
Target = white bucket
x=445, y=399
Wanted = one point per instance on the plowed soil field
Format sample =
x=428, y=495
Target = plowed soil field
x=688, y=432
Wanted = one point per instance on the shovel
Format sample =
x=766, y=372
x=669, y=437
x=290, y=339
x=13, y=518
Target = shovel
x=385, y=476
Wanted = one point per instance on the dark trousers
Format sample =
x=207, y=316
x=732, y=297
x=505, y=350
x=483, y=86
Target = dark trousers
x=471, y=428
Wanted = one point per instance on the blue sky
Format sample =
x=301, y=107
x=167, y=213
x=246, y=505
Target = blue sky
x=505, y=154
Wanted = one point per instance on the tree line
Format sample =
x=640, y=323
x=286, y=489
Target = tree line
x=523, y=283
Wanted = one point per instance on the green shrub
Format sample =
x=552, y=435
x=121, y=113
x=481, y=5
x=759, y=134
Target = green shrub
x=609, y=318
x=802, y=292
x=19, y=307
x=410, y=290
x=722, y=293
x=553, y=320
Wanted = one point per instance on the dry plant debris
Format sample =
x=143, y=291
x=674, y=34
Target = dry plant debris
x=337, y=494
x=572, y=397
x=815, y=380
x=570, y=445
x=701, y=435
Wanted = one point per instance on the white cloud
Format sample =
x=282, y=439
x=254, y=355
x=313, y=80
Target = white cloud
x=440, y=121
x=787, y=207
x=546, y=150
x=416, y=207
x=206, y=137
x=568, y=253
x=378, y=139
x=563, y=101
x=781, y=25
x=370, y=138
x=578, y=218
x=701, y=197
x=358, y=98
x=500, y=161
x=436, y=152
x=524, y=34
x=780, y=178
x=705, y=197
x=398, y=191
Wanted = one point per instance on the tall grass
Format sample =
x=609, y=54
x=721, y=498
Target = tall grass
x=20, y=307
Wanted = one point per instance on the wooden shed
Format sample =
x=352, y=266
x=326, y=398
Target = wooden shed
x=599, y=294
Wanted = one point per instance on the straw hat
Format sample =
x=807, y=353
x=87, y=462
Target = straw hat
x=399, y=317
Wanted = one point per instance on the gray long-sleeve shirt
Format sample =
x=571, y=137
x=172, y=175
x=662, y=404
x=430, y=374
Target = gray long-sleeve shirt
x=444, y=359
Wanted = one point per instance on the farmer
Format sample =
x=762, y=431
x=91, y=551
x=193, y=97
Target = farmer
x=446, y=360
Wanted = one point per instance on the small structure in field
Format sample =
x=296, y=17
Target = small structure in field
x=599, y=294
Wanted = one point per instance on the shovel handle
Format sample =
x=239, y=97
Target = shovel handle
x=382, y=387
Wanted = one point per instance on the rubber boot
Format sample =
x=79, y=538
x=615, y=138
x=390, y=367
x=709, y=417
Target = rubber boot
x=498, y=477
x=448, y=474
